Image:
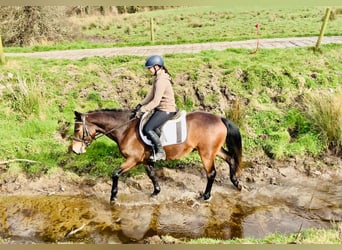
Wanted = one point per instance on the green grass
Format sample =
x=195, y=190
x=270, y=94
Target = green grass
x=269, y=87
x=324, y=108
x=310, y=236
x=196, y=24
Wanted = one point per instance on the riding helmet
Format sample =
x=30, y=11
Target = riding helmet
x=154, y=60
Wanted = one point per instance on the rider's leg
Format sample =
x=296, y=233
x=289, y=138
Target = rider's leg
x=158, y=148
x=156, y=121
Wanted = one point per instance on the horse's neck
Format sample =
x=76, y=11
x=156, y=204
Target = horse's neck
x=113, y=124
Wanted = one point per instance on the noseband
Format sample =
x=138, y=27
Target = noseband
x=85, y=132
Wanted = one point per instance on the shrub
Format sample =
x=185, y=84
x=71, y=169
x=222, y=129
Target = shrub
x=29, y=25
x=324, y=109
x=25, y=96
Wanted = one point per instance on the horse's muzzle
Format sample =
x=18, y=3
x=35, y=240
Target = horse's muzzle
x=78, y=148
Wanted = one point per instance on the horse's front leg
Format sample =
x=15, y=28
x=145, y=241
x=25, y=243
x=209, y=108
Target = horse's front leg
x=115, y=181
x=152, y=174
x=125, y=167
x=210, y=180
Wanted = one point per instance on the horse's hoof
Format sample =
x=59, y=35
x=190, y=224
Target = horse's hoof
x=154, y=194
x=156, y=191
x=206, y=197
x=239, y=187
x=112, y=201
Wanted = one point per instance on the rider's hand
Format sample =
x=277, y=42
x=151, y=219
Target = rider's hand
x=139, y=114
x=135, y=110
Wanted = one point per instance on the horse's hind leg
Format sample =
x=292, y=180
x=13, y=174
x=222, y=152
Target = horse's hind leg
x=233, y=172
x=152, y=174
x=232, y=175
x=232, y=167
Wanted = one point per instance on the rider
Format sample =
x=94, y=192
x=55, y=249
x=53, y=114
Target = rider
x=160, y=100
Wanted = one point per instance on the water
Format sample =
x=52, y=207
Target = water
x=286, y=203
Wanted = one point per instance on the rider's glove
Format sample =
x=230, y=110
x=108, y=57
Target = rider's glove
x=135, y=110
x=138, y=114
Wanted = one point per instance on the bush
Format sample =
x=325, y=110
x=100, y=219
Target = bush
x=324, y=109
x=24, y=95
x=30, y=25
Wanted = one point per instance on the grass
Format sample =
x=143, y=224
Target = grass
x=195, y=24
x=324, y=108
x=26, y=97
x=263, y=93
x=310, y=236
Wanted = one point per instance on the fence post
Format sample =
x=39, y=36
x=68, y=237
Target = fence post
x=152, y=29
x=2, y=56
x=324, y=24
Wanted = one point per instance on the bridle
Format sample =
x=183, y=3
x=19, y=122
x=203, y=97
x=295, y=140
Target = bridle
x=86, y=132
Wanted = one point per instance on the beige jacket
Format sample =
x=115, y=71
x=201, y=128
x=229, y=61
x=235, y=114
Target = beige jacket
x=161, y=95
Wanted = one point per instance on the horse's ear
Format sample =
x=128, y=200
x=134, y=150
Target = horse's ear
x=77, y=115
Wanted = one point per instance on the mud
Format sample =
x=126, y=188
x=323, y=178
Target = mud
x=283, y=197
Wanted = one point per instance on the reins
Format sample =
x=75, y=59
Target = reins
x=97, y=135
x=113, y=129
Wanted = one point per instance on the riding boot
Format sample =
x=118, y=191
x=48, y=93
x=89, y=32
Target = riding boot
x=157, y=147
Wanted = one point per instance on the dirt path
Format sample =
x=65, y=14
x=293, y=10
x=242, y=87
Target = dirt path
x=180, y=48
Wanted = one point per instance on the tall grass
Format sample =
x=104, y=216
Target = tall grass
x=25, y=96
x=324, y=108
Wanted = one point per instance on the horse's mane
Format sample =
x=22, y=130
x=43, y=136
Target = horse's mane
x=110, y=112
x=114, y=110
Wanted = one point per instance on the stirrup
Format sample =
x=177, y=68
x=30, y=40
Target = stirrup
x=158, y=156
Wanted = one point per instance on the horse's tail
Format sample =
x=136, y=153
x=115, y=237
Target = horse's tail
x=234, y=143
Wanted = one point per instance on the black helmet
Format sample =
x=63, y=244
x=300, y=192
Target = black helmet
x=154, y=60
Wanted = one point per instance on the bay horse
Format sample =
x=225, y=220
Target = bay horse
x=206, y=132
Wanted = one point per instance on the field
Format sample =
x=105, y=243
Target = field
x=271, y=95
x=191, y=25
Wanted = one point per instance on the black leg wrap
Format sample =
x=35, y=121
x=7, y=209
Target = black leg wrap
x=152, y=174
x=235, y=181
x=211, y=178
x=115, y=180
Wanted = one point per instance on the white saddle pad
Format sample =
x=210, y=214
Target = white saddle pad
x=172, y=131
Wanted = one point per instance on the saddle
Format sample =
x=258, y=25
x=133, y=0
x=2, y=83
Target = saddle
x=173, y=131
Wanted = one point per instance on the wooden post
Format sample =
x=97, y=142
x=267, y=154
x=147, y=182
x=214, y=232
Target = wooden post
x=152, y=29
x=324, y=25
x=2, y=56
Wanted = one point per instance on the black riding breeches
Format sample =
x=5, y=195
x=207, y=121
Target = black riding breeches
x=157, y=119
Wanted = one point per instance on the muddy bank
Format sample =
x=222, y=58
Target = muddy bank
x=282, y=197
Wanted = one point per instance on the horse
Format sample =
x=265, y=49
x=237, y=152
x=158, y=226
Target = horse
x=207, y=134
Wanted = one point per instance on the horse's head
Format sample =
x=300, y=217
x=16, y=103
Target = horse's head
x=84, y=133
